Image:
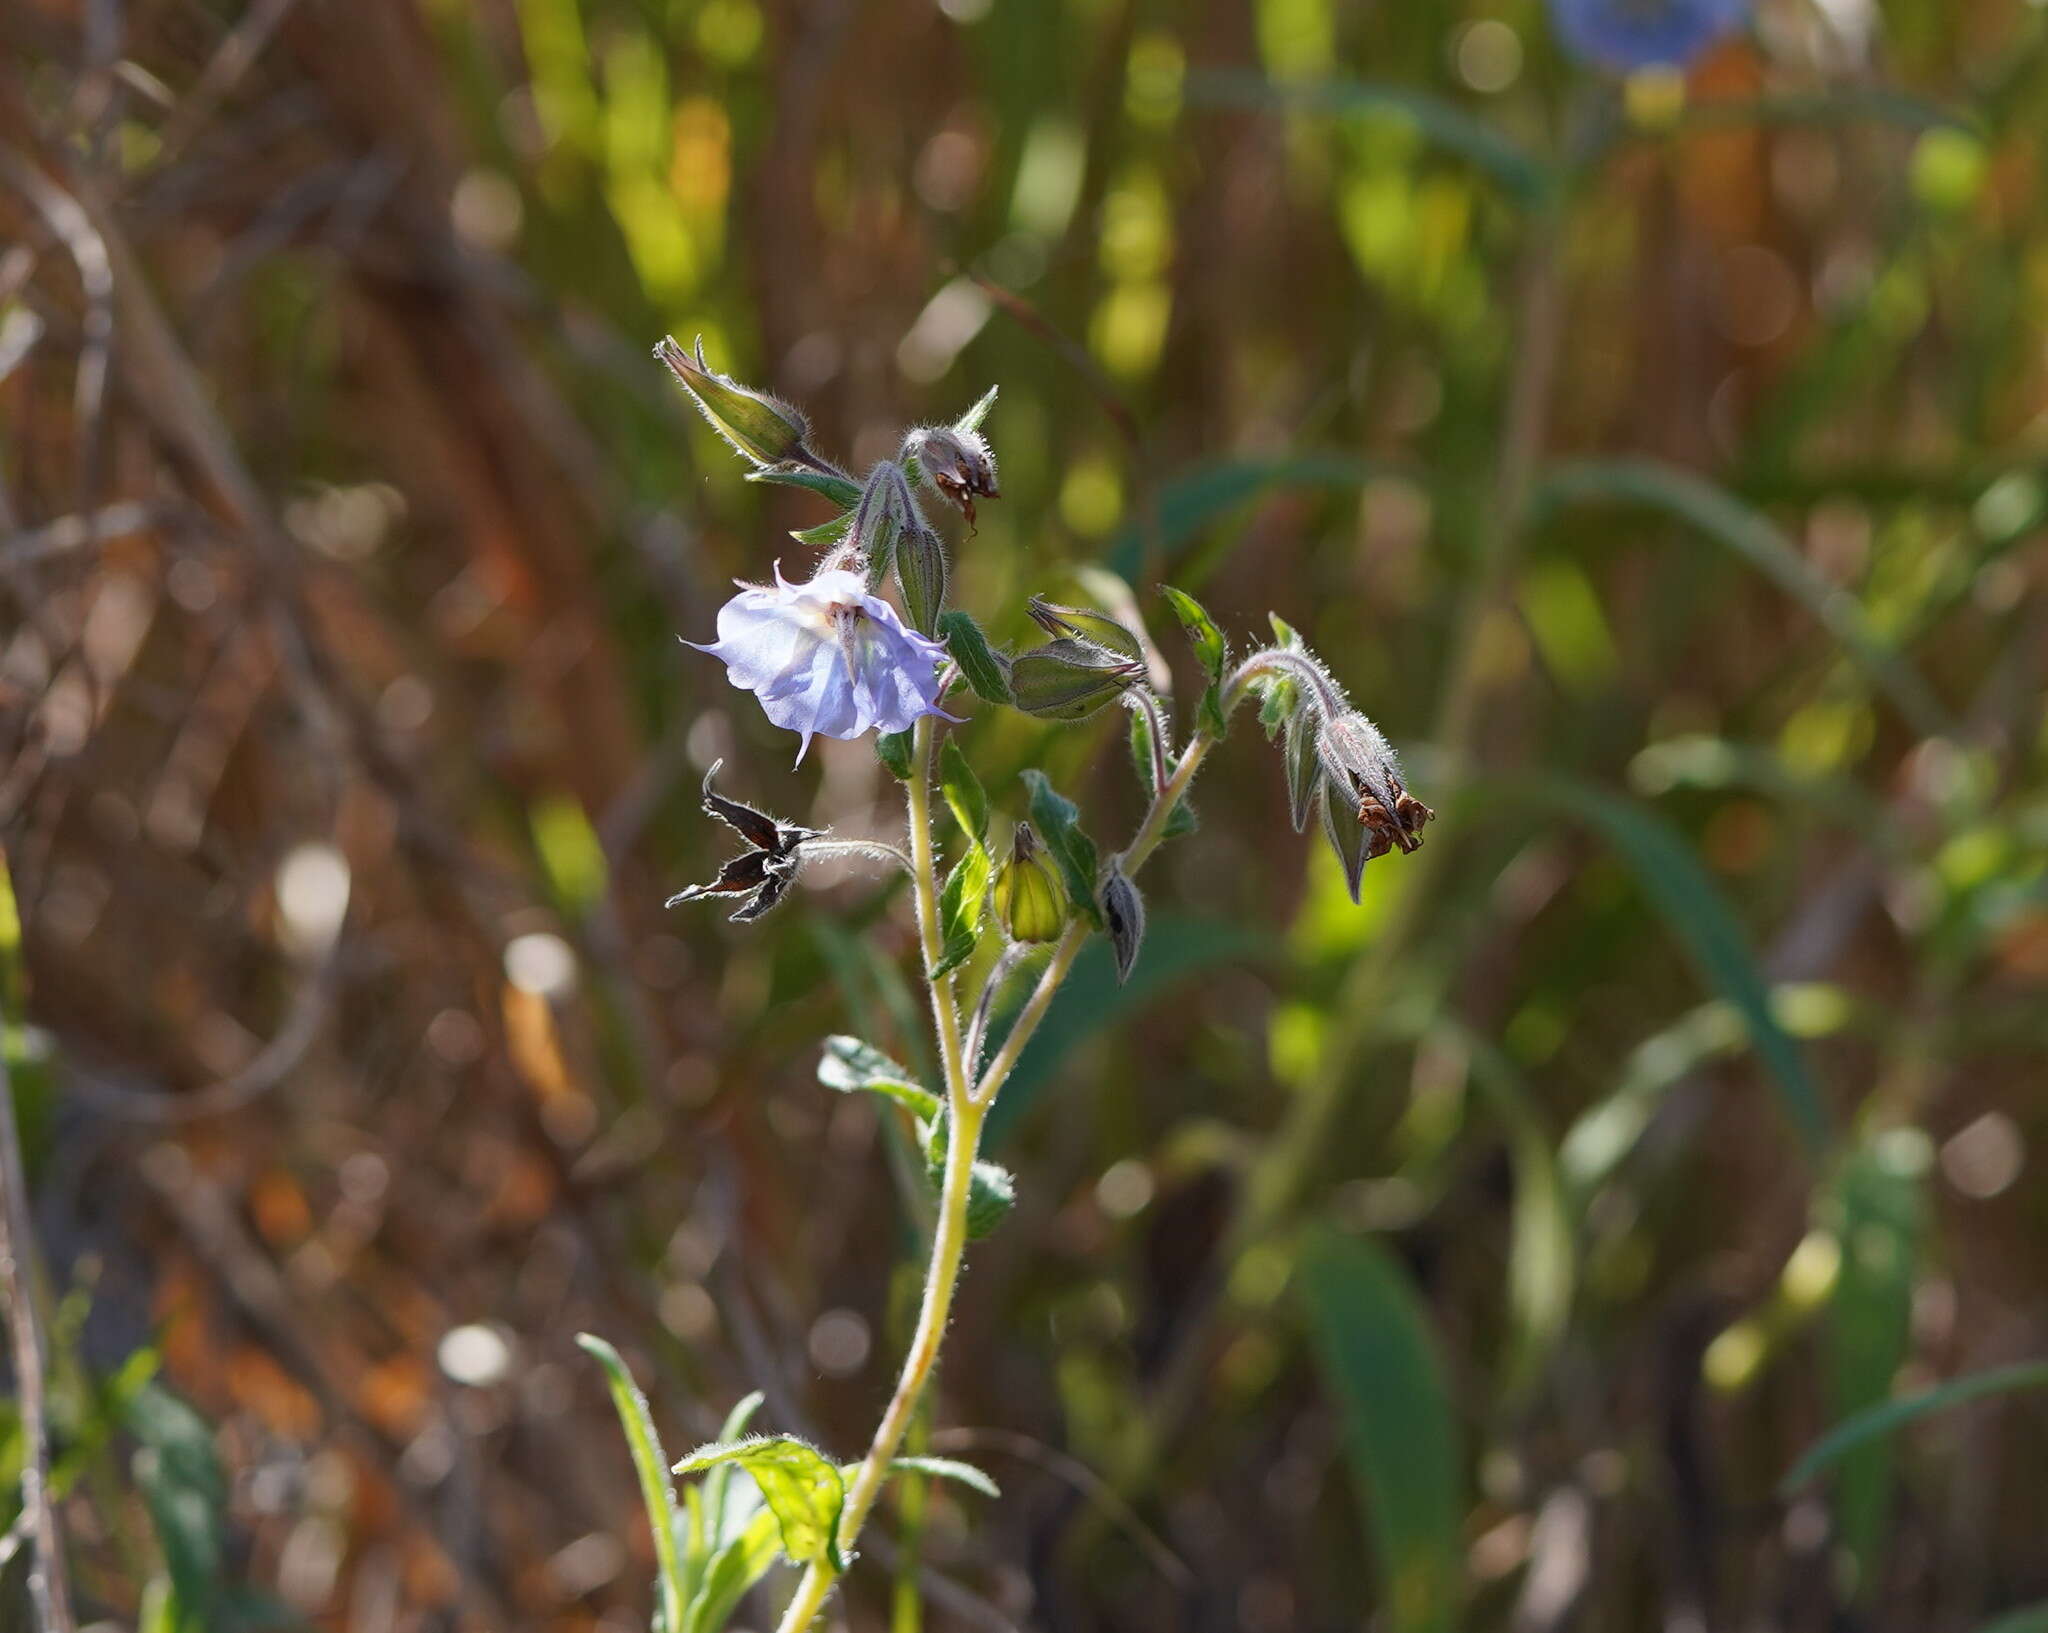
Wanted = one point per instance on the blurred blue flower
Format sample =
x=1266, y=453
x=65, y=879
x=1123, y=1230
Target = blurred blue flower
x=1631, y=34
x=826, y=656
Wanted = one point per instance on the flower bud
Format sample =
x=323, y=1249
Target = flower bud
x=921, y=575
x=1123, y=915
x=958, y=463
x=1031, y=900
x=764, y=428
x=1069, y=679
x=884, y=511
x=1084, y=624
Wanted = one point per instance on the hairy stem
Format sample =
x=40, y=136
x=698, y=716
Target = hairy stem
x=949, y=1235
x=967, y=1109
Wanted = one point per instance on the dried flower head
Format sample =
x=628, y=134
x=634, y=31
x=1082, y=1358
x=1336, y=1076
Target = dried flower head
x=759, y=876
x=957, y=463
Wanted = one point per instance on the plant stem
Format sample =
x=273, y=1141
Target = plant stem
x=967, y=1109
x=48, y=1583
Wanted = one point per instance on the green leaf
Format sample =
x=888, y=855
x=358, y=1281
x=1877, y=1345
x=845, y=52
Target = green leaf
x=971, y=420
x=1879, y=1421
x=178, y=1471
x=1209, y=712
x=1377, y=1355
x=1191, y=501
x=1141, y=750
x=1203, y=634
x=825, y=534
x=1542, y=1252
x=1675, y=880
x=971, y=651
x=1876, y=1210
x=649, y=1462
x=799, y=1484
x=732, y=1571
x=946, y=1468
x=2027, y=1619
x=1058, y=824
x=849, y=1065
x=1607, y=1131
x=840, y=490
x=717, y=1484
x=894, y=749
x=1726, y=520
x=961, y=899
x=991, y=1189
x=1838, y=105
x=962, y=789
x=1440, y=123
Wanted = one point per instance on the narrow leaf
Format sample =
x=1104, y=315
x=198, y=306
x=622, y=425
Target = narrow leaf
x=962, y=789
x=840, y=490
x=1725, y=519
x=1875, y=1208
x=1879, y=1421
x=1058, y=823
x=1441, y=123
x=849, y=1065
x=971, y=420
x=650, y=1463
x=945, y=1468
x=1673, y=877
x=1380, y=1362
x=978, y=663
x=1202, y=632
x=961, y=899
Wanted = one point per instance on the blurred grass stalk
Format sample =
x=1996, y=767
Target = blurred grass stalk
x=48, y=1584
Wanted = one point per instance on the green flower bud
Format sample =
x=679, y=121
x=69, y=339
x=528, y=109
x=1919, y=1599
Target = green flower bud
x=1084, y=624
x=885, y=510
x=1069, y=679
x=764, y=428
x=1031, y=899
x=921, y=576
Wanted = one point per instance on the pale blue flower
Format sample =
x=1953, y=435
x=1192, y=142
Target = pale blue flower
x=1632, y=34
x=827, y=657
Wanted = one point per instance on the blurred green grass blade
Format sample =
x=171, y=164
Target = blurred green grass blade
x=651, y=1464
x=2027, y=1619
x=1542, y=1247
x=1608, y=1130
x=1192, y=500
x=1441, y=123
x=1875, y=1207
x=1725, y=519
x=1680, y=887
x=1879, y=1421
x=1373, y=1342
x=1177, y=945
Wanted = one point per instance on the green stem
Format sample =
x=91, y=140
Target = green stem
x=967, y=1109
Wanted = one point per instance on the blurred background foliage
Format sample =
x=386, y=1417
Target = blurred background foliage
x=1662, y=463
